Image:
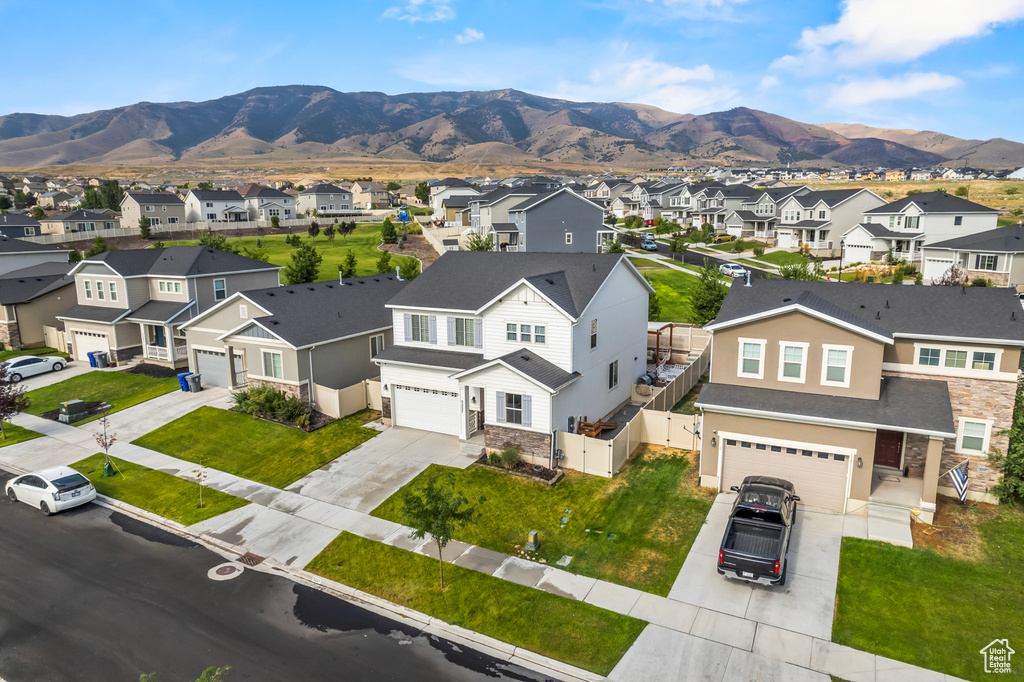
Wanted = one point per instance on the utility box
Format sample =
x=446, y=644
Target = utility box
x=72, y=411
x=532, y=541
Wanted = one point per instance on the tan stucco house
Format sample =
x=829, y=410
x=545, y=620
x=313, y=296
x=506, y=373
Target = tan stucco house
x=31, y=299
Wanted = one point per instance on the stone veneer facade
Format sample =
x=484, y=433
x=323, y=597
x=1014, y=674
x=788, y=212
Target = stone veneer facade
x=536, y=447
x=385, y=407
x=287, y=389
x=998, y=279
x=971, y=398
x=10, y=336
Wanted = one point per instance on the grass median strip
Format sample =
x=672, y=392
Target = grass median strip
x=570, y=631
x=118, y=389
x=256, y=449
x=163, y=494
x=17, y=434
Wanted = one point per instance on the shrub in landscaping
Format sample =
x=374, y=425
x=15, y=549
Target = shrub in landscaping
x=919, y=278
x=758, y=251
x=979, y=282
x=494, y=459
x=510, y=457
x=897, y=276
x=266, y=401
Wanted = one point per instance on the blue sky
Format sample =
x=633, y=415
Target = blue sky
x=947, y=65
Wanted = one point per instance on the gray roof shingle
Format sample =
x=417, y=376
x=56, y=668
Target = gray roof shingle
x=1009, y=239
x=158, y=311
x=430, y=357
x=537, y=368
x=93, y=313
x=21, y=286
x=933, y=202
x=178, y=261
x=216, y=195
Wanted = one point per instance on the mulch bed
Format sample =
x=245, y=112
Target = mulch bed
x=317, y=420
x=415, y=245
x=154, y=371
x=91, y=409
x=534, y=472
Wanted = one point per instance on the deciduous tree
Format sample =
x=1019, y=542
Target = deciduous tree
x=13, y=400
x=423, y=192
x=709, y=295
x=433, y=508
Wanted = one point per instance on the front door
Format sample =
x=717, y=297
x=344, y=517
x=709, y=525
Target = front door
x=888, y=449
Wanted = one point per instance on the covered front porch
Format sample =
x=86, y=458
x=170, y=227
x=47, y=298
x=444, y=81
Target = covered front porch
x=905, y=471
x=163, y=343
x=506, y=237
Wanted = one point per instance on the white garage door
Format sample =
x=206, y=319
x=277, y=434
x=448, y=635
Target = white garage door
x=935, y=268
x=424, y=408
x=87, y=342
x=213, y=368
x=785, y=240
x=858, y=253
x=819, y=477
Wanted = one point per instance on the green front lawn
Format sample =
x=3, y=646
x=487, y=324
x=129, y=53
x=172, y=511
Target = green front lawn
x=570, y=631
x=649, y=507
x=163, y=494
x=256, y=449
x=730, y=247
x=16, y=434
x=646, y=263
x=675, y=293
x=933, y=607
x=118, y=389
x=41, y=352
x=363, y=243
x=781, y=258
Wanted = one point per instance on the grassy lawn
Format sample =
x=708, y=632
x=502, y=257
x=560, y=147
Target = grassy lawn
x=16, y=434
x=646, y=263
x=675, y=293
x=256, y=449
x=940, y=602
x=685, y=404
x=782, y=258
x=648, y=506
x=163, y=494
x=117, y=388
x=570, y=631
x=41, y=352
x=730, y=247
x=363, y=243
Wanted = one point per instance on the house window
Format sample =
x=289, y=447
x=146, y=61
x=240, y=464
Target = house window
x=421, y=328
x=568, y=237
x=511, y=331
x=821, y=215
x=524, y=333
x=88, y=289
x=982, y=360
x=150, y=209
x=220, y=290
x=613, y=374
x=243, y=312
x=113, y=291
x=376, y=345
x=513, y=408
x=154, y=221
x=272, y=365
x=958, y=220
x=973, y=436
x=211, y=216
x=956, y=359
x=751, y=355
x=209, y=204
x=99, y=290
x=835, y=369
x=539, y=335
x=985, y=262
x=929, y=357
x=464, y=335
x=172, y=220
x=593, y=334
x=792, y=363
x=29, y=231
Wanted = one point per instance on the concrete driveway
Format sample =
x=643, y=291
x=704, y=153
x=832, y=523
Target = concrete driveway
x=71, y=369
x=805, y=604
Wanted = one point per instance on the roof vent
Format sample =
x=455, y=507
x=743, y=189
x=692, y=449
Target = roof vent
x=290, y=291
x=524, y=357
x=862, y=306
x=270, y=293
x=330, y=286
x=550, y=281
x=886, y=304
x=878, y=315
x=786, y=300
x=273, y=322
x=311, y=288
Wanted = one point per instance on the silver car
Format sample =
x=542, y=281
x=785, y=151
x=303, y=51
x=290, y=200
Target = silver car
x=52, y=490
x=29, y=365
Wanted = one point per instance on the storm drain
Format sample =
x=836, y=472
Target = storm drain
x=250, y=559
x=225, y=571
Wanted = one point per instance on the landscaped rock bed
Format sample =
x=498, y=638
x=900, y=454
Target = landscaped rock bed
x=317, y=420
x=534, y=472
x=154, y=371
x=90, y=409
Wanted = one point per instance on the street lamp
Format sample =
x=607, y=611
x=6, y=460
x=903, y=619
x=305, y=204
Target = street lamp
x=842, y=245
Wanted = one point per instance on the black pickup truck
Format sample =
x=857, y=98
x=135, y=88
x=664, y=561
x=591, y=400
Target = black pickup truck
x=757, y=537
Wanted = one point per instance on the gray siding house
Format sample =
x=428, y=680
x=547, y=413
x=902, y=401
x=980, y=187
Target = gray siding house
x=554, y=222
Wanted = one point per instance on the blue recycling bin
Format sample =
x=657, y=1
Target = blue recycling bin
x=92, y=358
x=183, y=381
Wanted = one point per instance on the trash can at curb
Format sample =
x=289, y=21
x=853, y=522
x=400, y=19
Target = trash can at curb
x=102, y=360
x=92, y=357
x=194, y=383
x=182, y=380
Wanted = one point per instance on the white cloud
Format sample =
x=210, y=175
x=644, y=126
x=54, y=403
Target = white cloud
x=857, y=93
x=875, y=31
x=422, y=10
x=469, y=35
x=768, y=83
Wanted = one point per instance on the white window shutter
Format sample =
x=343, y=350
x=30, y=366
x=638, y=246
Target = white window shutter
x=408, y=327
x=527, y=413
x=451, y=331
x=433, y=329
x=478, y=332
x=499, y=406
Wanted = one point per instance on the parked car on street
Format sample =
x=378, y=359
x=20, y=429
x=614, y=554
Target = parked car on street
x=648, y=223
x=732, y=269
x=52, y=490
x=648, y=244
x=723, y=239
x=28, y=365
x=760, y=526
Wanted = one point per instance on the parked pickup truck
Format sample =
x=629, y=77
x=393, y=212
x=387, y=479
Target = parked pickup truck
x=757, y=537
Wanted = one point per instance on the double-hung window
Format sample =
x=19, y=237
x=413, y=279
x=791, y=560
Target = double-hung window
x=983, y=360
x=835, y=366
x=113, y=291
x=376, y=345
x=985, y=262
x=513, y=408
x=88, y=289
x=272, y=365
x=539, y=335
x=929, y=357
x=792, y=361
x=956, y=359
x=464, y=331
x=973, y=436
x=99, y=290
x=220, y=290
x=751, y=362
x=593, y=334
x=525, y=334
x=421, y=328
x=613, y=374
x=511, y=331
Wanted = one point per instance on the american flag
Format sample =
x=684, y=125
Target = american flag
x=959, y=476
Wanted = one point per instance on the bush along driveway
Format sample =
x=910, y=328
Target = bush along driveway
x=118, y=389
x=635, y=529
x=253, y=448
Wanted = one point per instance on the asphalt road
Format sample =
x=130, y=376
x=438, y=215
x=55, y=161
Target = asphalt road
x=91, y=594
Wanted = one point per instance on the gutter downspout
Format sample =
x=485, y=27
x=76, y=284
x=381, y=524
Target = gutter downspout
x=312, y=391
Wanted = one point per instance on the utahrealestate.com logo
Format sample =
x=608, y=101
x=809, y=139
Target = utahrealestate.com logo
x=997, y=656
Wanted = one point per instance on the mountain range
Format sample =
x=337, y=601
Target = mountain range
x=497, y=127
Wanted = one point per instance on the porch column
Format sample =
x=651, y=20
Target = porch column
x=230, y=358
x=931, y=478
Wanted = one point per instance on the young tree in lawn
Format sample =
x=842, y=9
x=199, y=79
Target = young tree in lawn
x=613, y=246
x=275, y=222
x=803, y=270
x=963, y=191
x=348, y=265
x=304, y=266
x=707, y=233
x=663, y=226
x=329, y=232
x=384, y=263
x=214, y=240
x=106, y=440
x=477, y=243
x=409, y=270
x=423, y=192
x=653, y=307
x=314, y=229
x=13, y=400
x=144, y=228
x=709, y=295
x=257, y=252
x=388, y=232
x=434, y=509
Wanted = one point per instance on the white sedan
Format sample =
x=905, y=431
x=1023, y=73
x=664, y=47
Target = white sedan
x=52, y=490
x=732, y=269
x=28, y=365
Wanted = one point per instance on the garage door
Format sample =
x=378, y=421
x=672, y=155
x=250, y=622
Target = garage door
x=87, y=342
x=214, y=369
x=819, y=477
x=785, y=240
x=427, y=409
x=858, y=253
x=935, y=268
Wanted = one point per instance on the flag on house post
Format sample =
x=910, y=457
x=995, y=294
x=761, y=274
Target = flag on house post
x=959, y=475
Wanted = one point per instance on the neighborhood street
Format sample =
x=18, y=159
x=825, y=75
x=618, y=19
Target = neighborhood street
x=93, y=594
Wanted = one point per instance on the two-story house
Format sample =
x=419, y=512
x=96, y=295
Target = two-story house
x=161, y=209
x=560, y=221
x=840, y=388
x=134, y=302
x=996, y=255
x=215, y=206
x=491, y=208
x=756, y=218
x=445, y=189
x=513, y=346
x=820, y=218
x=14, y=225
x=370, y=194
x=711, y=203
x=293, y=337
x=326, y=199
x=82, y=220
x=263, y=203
